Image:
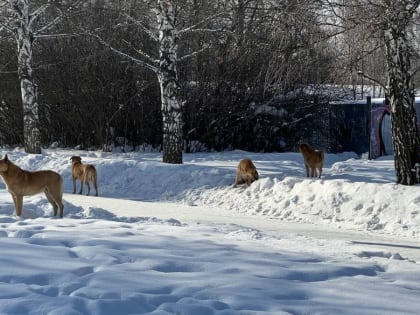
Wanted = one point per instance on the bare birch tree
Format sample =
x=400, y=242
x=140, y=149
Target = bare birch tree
x=391, y=23
x=168, y=81
x=166, y=34
x=22, y=19
x=398, y=38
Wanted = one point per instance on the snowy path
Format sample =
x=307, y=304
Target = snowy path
x=190, y=244
x=310, y=234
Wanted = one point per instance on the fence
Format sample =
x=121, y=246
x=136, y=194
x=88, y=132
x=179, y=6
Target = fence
x=361, y=126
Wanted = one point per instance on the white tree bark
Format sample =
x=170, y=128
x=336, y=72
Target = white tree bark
x=166, y=71
x=168, y=81
x=406, y=140
x=19, y=20
x=24, y=38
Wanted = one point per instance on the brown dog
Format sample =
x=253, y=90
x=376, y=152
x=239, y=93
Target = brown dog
x=84, y=173
x=314, y=160
x=21, y=183
x=246, y=173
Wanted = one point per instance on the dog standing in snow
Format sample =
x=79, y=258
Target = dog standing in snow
x=246, y=172
x=314, y=160
x=21, y=183
x=85, y=173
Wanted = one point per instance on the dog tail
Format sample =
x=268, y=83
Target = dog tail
x=90, y=174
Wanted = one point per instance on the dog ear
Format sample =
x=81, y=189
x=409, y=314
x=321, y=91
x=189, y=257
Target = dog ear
x=6, y=158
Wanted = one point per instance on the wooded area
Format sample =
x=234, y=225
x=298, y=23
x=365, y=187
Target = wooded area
x=191, y=75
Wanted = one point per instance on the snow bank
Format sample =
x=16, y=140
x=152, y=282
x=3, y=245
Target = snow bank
x=352, y=193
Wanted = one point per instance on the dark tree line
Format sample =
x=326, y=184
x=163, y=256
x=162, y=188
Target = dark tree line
x=249, y=74
x=90, y=96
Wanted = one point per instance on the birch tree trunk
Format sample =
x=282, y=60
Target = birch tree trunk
x=169, y=85
x=401, y=91
x=24, y=38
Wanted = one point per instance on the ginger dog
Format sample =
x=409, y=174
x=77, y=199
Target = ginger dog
x=84, y=173
x=246, y=173
x=21, y=183
x=314, y=160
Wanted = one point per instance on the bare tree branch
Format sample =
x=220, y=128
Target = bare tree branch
x=127, y=56
x=58, y=18
x=34, y=15
x=194, y=27
x=48, y=36
x=141, y=53
x=149, y=32
x=361, y=73
x=5, y=27
x=195, y=53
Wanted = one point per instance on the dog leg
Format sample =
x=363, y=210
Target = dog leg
x=307, y=170
x=74, y=185
x=81, y=187
x=95, y=184
x=61, y=207
x=88, y=188
x=236, y=181
x=18, y=205
x=55, y=198
x=14, y=200
x=52, y=202
x=239, y=181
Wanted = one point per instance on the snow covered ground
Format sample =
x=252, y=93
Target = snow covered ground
x=179, y=239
